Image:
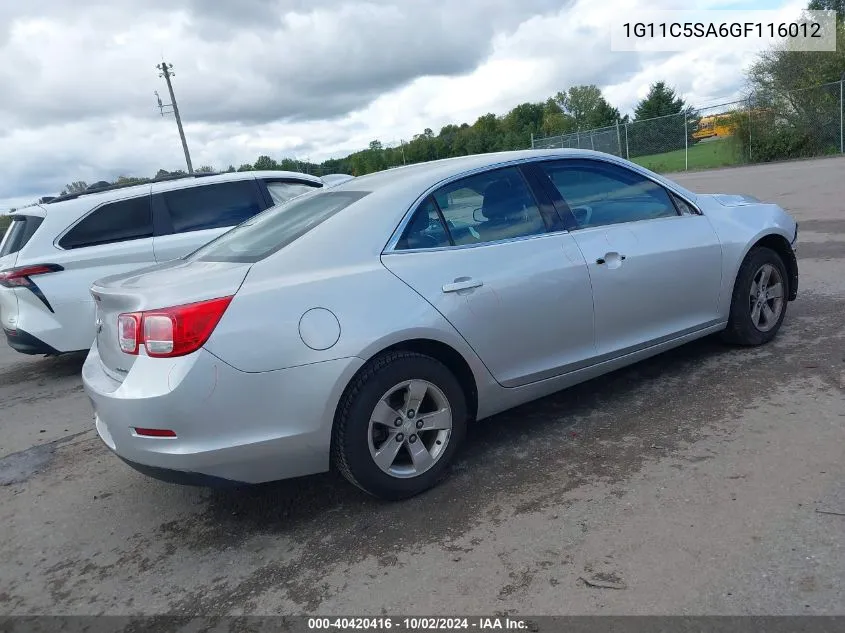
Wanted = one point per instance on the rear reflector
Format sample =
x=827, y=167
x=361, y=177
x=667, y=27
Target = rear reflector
x=173, y=331
x=155, y=432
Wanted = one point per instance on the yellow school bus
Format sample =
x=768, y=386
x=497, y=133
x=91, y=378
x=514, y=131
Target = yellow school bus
x=715, y=125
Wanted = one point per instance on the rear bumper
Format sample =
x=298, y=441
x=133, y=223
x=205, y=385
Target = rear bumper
x=26, y=343
x=231, y=427
x=181, y=477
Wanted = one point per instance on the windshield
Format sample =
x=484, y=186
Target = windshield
x=276, y=227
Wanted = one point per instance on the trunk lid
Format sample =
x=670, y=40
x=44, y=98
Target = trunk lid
x=161, y=286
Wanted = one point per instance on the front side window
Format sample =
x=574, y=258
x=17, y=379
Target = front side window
x=114, y=222
x=487, y=207
x=276, y=227
x=599, y=194
x=211, y=206
x=282, y=191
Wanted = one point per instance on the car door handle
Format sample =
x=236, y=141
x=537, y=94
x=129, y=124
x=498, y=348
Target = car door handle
x=601, y=260
x=462, y=283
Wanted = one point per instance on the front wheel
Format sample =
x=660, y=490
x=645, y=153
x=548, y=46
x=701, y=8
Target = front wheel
x=399, y=425
x=759, y=300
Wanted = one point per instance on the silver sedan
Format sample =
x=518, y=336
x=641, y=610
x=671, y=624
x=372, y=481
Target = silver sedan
x=364, y=326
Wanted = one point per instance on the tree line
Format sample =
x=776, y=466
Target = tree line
x=579, y=108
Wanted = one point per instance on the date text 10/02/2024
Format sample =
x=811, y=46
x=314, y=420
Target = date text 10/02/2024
x=420, y=623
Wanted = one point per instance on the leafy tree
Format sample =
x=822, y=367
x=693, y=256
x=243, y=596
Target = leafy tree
x=780, y=69
x=265, y=163
x=792, y=115
x=130, y=180
x=230, y=169
x=245, y=167
x=828, y=5
x=77, y=186
x=587, y=107
x=205, y=169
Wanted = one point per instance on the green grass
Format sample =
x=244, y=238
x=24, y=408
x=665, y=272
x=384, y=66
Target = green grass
x=706, y=155
x=4, y=224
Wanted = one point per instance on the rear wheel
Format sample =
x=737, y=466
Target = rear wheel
x=759, y=299
x=399, y=425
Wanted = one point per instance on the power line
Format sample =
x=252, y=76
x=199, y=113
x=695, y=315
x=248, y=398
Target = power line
x=166, y=72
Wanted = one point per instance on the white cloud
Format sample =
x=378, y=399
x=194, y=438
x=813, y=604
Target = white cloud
x=310, y=79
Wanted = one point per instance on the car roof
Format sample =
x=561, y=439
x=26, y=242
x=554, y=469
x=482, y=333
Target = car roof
x=392, y=195
x=422, y=176
x=170, y=185
x=88, y=200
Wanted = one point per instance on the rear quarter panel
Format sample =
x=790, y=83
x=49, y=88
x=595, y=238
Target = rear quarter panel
x=260, y=330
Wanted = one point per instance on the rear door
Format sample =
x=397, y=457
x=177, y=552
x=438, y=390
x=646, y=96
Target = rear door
x=654, y=261
x=113, y=238
x=495, y=262
x=188, y=217
x=21, y=228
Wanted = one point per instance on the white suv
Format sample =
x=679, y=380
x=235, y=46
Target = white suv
x=53, y=252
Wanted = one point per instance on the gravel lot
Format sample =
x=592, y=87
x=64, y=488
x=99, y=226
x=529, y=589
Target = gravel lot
x=698, y=480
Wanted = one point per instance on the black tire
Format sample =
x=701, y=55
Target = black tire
x=741, y=329
x=350, y=448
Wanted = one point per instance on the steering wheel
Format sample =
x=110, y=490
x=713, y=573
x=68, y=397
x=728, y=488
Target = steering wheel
x=587, y=213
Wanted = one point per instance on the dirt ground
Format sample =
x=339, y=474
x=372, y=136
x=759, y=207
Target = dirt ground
x=703, y=481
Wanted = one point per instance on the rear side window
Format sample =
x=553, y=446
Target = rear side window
x=20, y=231
x=276, y=228
x=212, y=206
x=113, y=222
x=425, y=230
x=488, y=207
x=282, y=191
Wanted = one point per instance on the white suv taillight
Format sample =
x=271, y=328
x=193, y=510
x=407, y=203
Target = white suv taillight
x=170, y=331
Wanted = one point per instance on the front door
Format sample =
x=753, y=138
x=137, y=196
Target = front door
x=655, y=264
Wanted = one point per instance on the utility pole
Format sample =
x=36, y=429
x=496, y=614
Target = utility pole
x=166, y=69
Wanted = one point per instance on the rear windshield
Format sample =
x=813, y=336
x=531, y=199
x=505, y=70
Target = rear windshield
x=20, y=231
x=276, y=227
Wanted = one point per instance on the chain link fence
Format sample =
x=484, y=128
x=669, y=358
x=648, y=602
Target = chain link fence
x=765, y=126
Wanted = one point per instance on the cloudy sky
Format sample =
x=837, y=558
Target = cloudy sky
x=304, y=78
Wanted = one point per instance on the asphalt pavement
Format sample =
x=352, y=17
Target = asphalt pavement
x=708, y=480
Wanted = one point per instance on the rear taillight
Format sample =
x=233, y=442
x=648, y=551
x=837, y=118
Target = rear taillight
x=170, y=331
x=20, y=276
x=128, y=331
